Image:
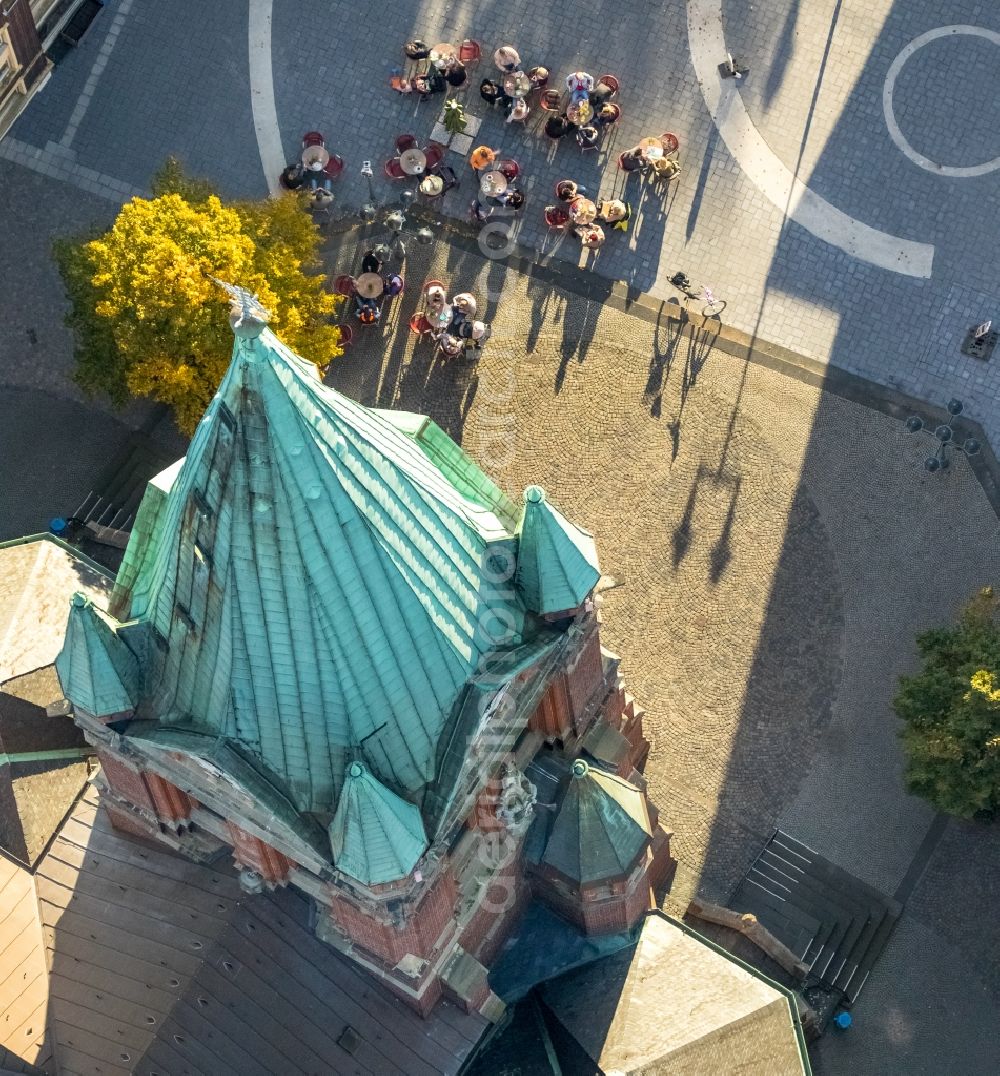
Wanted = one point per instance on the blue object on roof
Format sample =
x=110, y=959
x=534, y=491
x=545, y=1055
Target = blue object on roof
x=556, y=560
x=376, y=836
x=97, y=671
x=314, y=579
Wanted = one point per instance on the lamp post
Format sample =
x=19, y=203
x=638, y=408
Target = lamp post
x=946, y=438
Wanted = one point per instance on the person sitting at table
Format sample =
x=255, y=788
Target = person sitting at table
x=567, y=190
x=512, y=198
x=449, y=345
x=506, y=58
x=606, y=115
x=371, y=262
x=591, y=236
x=435, y=297
x=615, y=211
x=293, y=176
x=558, y=126
x=587, y=137
x=465, y=302
x=632, y=160
x=482, y=157
x=368, y=311
x=393, y=286
x=579, y=82
x=518, y=110
x=600, y=94
x=538, y=77
x=480, y=212
x=490, y=91
x=667, y=168
x=431, y=83
x=416, y=50
x=456, y=75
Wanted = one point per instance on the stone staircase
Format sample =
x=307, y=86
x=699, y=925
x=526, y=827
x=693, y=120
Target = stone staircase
x=835, y=923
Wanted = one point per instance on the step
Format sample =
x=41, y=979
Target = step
x=793, y=846
x=857, y=952
x=751, y=894
x=812, y=887
x=874, y=951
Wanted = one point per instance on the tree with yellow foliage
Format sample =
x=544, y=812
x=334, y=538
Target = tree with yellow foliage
x=147, y=318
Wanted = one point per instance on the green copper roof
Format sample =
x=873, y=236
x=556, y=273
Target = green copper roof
x=601, y=828
x=556, y=560
x=97, y=671
x=315, y=584
x=376, y=837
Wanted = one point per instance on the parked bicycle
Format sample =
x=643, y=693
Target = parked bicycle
x=712, y=307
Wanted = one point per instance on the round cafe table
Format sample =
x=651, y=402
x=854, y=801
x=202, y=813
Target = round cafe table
x=413, y=161
x=582, y=211
x=651, y=148
x=439, y=316
x=580, y=112
x=443, y=54
x=369, y=285
x=516, y=84
x=493, y=184
x=315, y=157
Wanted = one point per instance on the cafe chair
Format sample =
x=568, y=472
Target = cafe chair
x=611, y=82
x=344, y=284
x=405, y=142
x=393, y=169
x=434, y=152
x=312, y=138
x=346, y=336
x=334, y=166
x=618, y=115
x=671, y=143
x=550, y=101
x=470, y=52
x=509, y=169
x=447, y=174
x=556, y=217
x=420, y=325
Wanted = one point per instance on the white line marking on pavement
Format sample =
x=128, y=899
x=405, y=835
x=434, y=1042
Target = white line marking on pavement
x=62, y=166
x=770, y=176
x=890, y=118
x=87, y=93
x=265, y=113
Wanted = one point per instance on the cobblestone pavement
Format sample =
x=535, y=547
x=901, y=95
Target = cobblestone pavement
x=151, y=79
x=775, y=548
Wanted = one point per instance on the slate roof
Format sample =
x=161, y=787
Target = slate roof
x=319, y=580
x=601, y=828
x=674, y=1004
x=556, y=560
x=161, y=965
x=96, y=669
x=376, y=837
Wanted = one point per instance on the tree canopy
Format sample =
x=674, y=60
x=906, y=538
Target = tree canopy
x=952, y=713
x=147, y=318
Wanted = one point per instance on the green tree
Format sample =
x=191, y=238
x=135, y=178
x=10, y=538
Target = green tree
x=951, y=710
x=147, y=318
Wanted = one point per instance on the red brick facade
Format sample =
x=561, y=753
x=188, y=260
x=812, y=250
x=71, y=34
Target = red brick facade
x=253, y=853
x=584, y=676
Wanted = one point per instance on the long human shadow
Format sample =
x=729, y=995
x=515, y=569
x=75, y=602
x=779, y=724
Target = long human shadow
x=785, y=49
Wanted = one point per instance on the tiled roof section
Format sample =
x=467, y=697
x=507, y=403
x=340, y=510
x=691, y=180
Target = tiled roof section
x=722, y=1018
x=23, y=984
x=98, y=672
x=317, y=580
x=601, y=828
x=556, y=560
x=457, y=466
x=168, y=962
x=376, y=837
x=38, y=576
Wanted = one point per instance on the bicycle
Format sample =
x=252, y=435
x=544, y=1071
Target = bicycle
x=713, y=306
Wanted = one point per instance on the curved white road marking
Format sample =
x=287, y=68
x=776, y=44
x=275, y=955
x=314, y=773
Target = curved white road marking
x=890, y=118
x=265, y=114
x=770, y=176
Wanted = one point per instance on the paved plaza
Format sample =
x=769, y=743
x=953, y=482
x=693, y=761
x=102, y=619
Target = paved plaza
x=843, y=221
x=774, y=548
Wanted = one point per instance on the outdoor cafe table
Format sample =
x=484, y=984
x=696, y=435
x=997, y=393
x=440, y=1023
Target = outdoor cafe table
x=493, y=184
x=580, y=112
x=369, y=285
x=582, y=211
x=651, y=148
x=440, y=316
x=443, y=54
x=516, y=84
x=413, y=161
x=315, y=157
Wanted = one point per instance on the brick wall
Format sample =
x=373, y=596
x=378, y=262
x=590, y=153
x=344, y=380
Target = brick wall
x=170, y=802
x=492, y=921
x=552, y=718
x=129, y=821
x=251, y=852
x=126, y=782
x=585, y=674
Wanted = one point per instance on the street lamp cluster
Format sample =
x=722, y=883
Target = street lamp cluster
x=946, y=437
x=395, y=220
